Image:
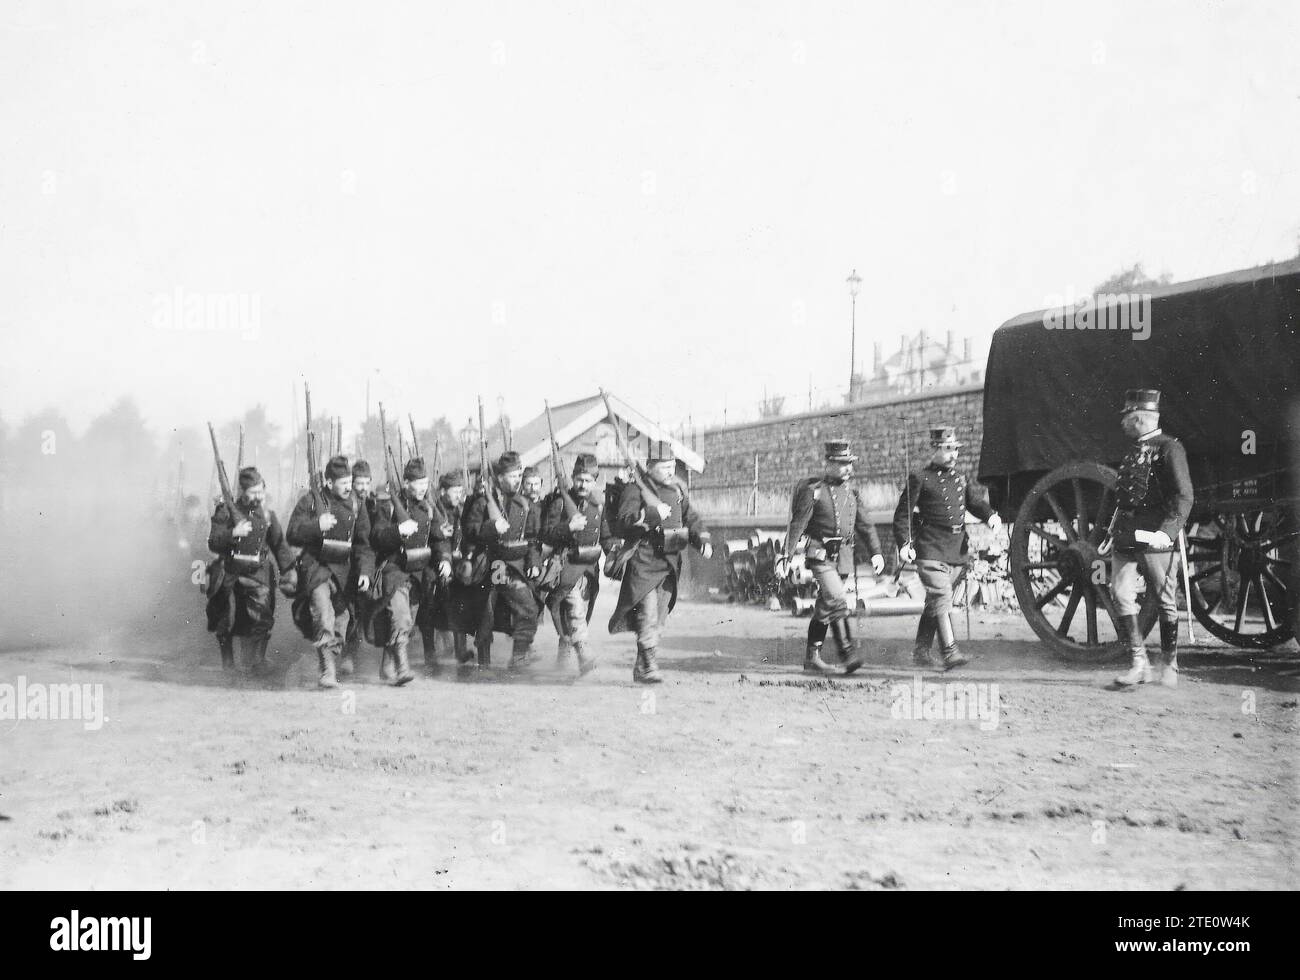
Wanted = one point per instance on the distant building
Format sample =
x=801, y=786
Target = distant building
x=920, y=364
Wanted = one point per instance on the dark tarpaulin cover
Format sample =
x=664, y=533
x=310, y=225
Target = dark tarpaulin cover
x=1224, y=352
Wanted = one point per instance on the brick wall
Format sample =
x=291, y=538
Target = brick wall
x=791, y=447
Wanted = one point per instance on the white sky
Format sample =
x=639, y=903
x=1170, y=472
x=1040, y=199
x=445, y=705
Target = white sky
x=686, y=177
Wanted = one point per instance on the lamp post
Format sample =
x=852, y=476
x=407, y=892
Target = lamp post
x=854, y=281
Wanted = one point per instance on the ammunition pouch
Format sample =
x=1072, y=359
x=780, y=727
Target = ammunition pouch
x=242, y=564
x=333, y=551
x=414, y=559
x=511, y=550
x=585, y=554
x=674, y=540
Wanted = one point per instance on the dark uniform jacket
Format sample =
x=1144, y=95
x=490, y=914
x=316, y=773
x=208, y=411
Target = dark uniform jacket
x=940, y=497
x=398, y=556
x=574, y=565
x=304, y=531
x=265, y=541
x=518, y=548
x=826, y=510
x=1154, y=491
x=649, y=566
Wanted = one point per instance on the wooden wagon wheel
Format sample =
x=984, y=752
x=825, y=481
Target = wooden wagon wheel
x=1242, y=574
x=1056, y=567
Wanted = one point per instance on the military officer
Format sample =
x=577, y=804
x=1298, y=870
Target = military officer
x=1153, y=500
x=241, y=588
x=580, y=537
x=831, y=513
x=657, y=532
x=511, y=545
x=411, y=548
x=359, y=602
x=930, y=529
x=330, y=535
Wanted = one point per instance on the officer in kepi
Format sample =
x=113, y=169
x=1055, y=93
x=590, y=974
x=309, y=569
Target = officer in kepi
x=1154, y=498
x=930, y=529
x=831, y=514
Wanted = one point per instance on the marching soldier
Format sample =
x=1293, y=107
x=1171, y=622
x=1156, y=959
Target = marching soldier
x=1154, y=498
x=531, y=485
x=359, y=604
x=580, y=542
x=831, y=514
x=511, y=546
x=650, y=576
x=330, y=538
x=930, y=529
x=413, y=554
x=452, y=616
x=241, y=587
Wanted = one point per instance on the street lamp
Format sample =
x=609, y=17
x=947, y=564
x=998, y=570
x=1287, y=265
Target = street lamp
x=854, y=280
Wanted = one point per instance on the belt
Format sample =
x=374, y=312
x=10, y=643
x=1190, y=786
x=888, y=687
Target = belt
x=950, y=528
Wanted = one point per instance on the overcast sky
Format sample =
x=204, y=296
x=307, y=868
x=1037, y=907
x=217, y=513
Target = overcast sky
x=534, y=198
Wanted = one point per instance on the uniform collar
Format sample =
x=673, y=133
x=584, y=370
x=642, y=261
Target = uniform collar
x=1149, y=436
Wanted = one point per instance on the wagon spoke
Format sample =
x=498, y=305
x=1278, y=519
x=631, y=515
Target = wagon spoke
x=1273, y=542
x=1059, y=513
x=1269, y=622
x=1070, y=607
x=1284, y=562
x=1039, y=565
x=1079, y=508
x=1103, y=518
x=1052, y=593
x=1205, y=572
x=1090, y=611
x=1107, y=603
x=1042, y=532
x=1277, y=582
x=1242, y=596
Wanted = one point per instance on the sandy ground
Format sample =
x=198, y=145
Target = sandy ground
x=737, y=772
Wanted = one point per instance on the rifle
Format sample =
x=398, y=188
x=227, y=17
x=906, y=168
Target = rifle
x=415, y=439
x=239, y=458
x=489, y=481
x=315, y=485
x=391, y=471
x=338, y=438
x=227, y=497
x=561, y=478
x=651, y=498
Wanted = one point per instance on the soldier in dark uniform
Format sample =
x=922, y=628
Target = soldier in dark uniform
x=531, y=485
x=580, y=543
x=329, y=541
x=359, y=603
x=241, y=586
x=1154, y=498
x=450, y=616
x=831, y=513
x=930, y=529
x=412, y=555
x=511, y=547
x=650, y=577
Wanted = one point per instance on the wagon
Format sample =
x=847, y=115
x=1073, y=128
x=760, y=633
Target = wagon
x=1225, y=352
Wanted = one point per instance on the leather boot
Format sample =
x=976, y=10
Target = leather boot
x=401, y=666
x=1140, y=672
x=853, y=658
x=646, y=670
x=461, y=645
x=325, y=654
x=564, y=653
x=484, y=652
x=386, y=672
x=260, y=666
x=923, y=651
x=227, y=645
x=1169, y=651
x=812, y=658
x=952, y=657
x=347, y=665
x=586, y=662
x=519, y=658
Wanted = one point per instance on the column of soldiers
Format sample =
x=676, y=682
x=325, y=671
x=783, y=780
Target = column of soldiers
x=380, y=565
x=377, y=566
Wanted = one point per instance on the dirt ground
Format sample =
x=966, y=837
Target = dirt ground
x=739, y=771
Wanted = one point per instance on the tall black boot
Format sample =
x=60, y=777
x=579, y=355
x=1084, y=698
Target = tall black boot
x=401, y=666
x=812, y=658
x=922, y=652
x=227, y=645
x=853, y=659
x=1169, y=650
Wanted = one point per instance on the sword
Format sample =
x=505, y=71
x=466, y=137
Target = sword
x=1187, y=583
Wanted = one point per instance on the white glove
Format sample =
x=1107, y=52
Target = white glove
x=407, y=528
x=907, y=554
x=877, y=563
x=578, y=523
x=363, y=582
x=664, y=511
x=995, y=521
x=444, y=570
x=1160, y=540
x=782, y=566
x=502, y=526
x=242, y=530
x=707, y=550
x=327, y=521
